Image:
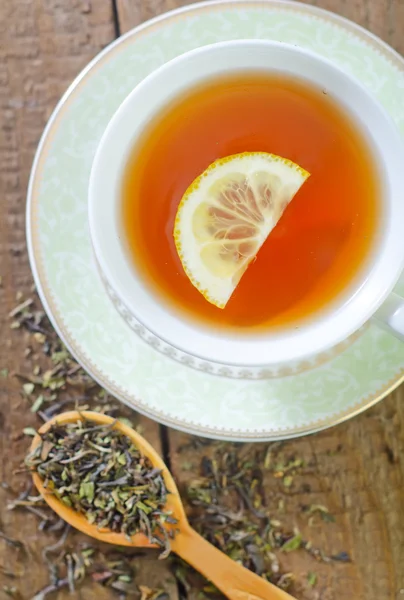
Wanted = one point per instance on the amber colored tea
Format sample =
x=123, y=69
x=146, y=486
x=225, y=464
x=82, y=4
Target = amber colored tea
x=325, y=235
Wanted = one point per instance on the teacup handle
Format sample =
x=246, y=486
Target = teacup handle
x=390, y=316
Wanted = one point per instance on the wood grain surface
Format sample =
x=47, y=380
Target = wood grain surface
x=357, y=468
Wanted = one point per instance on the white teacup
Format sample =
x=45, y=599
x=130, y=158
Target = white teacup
x=371, y=295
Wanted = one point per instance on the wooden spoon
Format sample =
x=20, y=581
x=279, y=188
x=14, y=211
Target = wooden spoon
x=233, y=580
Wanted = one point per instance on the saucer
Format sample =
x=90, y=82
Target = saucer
x=286, y=405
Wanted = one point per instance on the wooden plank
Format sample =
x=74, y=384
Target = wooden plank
x=133, y=12
x=396, y=30
x=357, y=468
x=355, y=10
x=379, y=19
x=43, y=46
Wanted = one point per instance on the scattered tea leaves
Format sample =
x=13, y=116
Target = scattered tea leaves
x=29, y=431
x=12, y=592
x=288, y=480
x=11, y=542
x=292, y=544
x=37, y=404
x=21, y=309
x=314, y=509
x=341, y=557
x=228, y=505
x=28, y=388
x=147, y=593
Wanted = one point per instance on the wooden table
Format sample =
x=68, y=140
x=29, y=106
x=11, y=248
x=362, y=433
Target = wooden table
x=359, y=472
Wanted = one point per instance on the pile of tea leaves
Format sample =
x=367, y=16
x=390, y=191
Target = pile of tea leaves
x=224, y=490
x=97, y=471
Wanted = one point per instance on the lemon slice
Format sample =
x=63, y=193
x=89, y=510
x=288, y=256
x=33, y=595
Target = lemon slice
x=226, y=215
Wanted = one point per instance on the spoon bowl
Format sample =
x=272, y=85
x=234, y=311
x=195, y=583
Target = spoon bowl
x=79, y=521
x=236, y=582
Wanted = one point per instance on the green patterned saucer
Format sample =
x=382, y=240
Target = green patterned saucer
x=359, y=375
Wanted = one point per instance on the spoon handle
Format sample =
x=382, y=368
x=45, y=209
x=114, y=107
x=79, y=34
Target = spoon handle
x=233, y=580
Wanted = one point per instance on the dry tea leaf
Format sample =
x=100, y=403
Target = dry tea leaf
x=28, y=388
